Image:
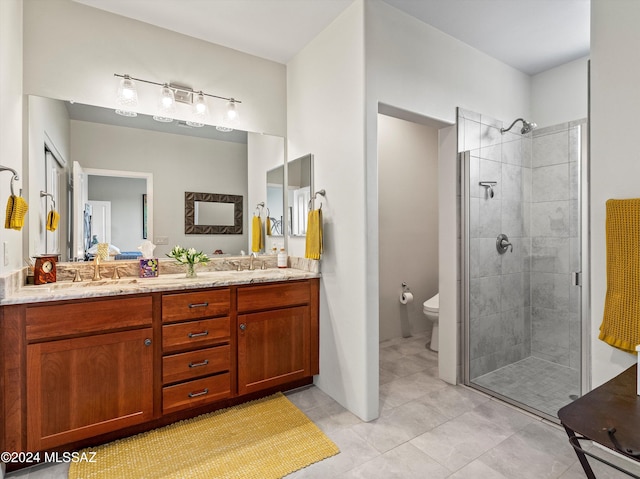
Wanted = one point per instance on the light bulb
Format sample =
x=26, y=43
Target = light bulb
x=200, y=106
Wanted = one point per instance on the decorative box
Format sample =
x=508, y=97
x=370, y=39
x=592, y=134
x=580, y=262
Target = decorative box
x=148, y=267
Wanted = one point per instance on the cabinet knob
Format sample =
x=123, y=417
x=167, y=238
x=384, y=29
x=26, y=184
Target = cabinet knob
x=147, y=342
x=243, y=326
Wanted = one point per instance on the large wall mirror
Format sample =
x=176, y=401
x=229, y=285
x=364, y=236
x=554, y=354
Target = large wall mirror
x=177, y=157
x=299, y=185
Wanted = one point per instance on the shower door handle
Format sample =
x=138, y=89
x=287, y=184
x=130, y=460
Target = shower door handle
x=577, y=278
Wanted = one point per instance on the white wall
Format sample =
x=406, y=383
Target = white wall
x=325, y=117
x=74, y=50
x=615, y=161
x=414, y=67
x=408, y=219
x=560, y=94
x=11, y=117
x=178, y=163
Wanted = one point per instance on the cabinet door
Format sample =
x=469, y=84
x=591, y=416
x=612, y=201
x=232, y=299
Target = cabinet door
x=82, y=387
x=273, y=348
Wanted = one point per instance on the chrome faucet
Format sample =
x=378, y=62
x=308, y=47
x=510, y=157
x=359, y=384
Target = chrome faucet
x=96, y=269
x=251, y=258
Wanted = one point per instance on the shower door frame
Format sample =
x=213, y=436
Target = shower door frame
x=464, y=162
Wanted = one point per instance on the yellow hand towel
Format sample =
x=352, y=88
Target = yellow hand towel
x=314, y=246
x=52, y=220
x=7, y=221
x=16, y=210
x=268, y=226
x=257, y=240
x=621, y=322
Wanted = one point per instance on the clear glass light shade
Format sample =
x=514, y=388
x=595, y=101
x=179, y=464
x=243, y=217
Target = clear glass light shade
x=200, y=106
x=231, y=114
x=127, y=93
x=167, y=104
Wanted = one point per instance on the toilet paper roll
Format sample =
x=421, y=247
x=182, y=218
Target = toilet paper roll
x=406, y=298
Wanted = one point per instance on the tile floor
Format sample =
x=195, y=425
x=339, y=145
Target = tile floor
x=426, y=429
x=536, y=382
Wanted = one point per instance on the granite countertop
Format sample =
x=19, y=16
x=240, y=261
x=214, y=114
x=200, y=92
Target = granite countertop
x=64, y=290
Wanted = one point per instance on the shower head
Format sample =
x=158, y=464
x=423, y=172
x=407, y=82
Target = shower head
x=526, y=126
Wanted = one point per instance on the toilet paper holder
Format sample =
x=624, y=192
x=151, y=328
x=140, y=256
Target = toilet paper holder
x=406, y=296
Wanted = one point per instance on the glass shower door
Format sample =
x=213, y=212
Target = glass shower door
x=522, y=244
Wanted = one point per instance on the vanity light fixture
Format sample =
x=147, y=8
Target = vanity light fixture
x=170, y=95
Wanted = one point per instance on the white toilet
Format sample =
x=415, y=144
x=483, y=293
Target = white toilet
x=431, y=309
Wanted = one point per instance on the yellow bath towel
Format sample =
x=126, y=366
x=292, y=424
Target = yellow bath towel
x=314, y=246
x=257, y=239
x=16, y=210
x=53, y=218
x=621, y=322
x=268, y=223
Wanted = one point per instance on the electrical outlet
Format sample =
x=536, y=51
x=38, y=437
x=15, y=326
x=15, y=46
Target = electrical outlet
x=161, y=239
x=5, y=248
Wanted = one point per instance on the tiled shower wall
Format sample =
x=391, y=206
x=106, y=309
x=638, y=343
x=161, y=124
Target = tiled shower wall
x=521, y=302
x=555, y=244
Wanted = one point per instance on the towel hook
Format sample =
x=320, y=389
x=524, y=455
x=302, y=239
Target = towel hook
x=53, y=200
x=15, y=176
x=319, y=192
x=258, y=208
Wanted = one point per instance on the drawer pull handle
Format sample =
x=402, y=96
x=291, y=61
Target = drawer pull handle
x=198, y=305
x=195, y=365
x=197, y=335
x=199, y=393
x=243, y=326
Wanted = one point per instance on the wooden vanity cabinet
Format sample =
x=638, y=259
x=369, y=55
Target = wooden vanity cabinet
x=75, y=370
x=85, y=374
x=277, y=334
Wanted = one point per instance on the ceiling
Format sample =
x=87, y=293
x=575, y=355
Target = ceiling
x=530, y=35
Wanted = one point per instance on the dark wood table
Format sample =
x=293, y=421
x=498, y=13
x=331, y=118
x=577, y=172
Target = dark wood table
x=609, y=415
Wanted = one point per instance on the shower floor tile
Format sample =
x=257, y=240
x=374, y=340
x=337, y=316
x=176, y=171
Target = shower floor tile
x=535, y=382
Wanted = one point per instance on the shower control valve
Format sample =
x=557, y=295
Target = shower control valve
x=502, y=244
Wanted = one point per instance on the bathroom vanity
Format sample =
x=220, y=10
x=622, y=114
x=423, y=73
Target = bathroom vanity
x=86, y=370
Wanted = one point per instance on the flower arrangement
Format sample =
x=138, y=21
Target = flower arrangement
x=190, y=257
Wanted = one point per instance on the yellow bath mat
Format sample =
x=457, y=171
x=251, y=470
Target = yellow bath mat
x=263, y=439
x=621, y=322
x=313, y=245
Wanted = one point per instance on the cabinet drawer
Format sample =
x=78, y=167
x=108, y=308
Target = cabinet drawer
x=196, y=393
x=255, y=298
x=201, y=304
x=49, y=321
x=194, y=334
x=183, y=366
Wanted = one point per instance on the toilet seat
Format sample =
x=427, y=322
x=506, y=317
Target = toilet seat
x=432, y=305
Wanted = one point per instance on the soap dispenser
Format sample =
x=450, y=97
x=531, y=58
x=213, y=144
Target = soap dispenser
x=282, y=258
